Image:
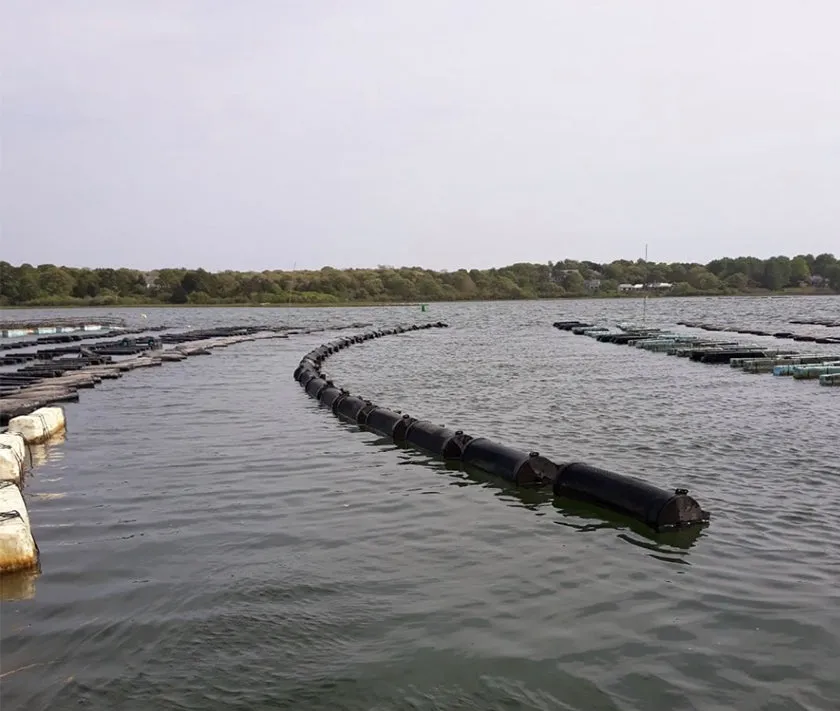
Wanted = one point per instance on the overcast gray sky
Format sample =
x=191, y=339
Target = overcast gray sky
x=436, y=133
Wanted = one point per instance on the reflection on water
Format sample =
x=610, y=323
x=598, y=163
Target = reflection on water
x=212, y=539
x=19, y=585
x=585, y=517
x=580, y=516
x=48, y=451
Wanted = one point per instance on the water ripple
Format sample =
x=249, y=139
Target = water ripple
x=212, y=538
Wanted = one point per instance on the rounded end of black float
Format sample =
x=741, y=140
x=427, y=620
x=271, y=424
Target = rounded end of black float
x=680, y=511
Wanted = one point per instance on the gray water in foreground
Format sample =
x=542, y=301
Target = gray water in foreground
x=211, y=539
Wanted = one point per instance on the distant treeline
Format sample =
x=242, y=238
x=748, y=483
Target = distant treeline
x=49, y=285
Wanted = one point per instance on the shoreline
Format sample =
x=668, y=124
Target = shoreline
x=418, y=302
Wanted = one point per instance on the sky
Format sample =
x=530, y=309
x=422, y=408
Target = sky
x=444, y=133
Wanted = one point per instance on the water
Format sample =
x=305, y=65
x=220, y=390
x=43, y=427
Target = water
x=210, y=539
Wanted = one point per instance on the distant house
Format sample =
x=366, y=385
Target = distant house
x=657, y=286
x=817, y=280
x=592, y=284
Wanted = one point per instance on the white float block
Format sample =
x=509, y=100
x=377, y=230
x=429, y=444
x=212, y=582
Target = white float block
x=17, y=547
x=12, y=456
x=39, y=426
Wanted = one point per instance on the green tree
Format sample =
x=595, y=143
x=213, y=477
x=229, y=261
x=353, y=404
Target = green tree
x=776, y=273
x=832, y=273
x=179, y=295
x=428, y=287
x=197, y=280
x=55, y=282
x=737, y=281
x=400, y=287
x=799, y=270
x=26, y=284
x=702, y=280
x=167, y=281
x=28, y=288
x=9, y=285
x=464, y=284
x=87, y=284
x=822, y=264
x=573, y=283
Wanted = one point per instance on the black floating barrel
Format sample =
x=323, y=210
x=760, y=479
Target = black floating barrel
x=315, y=386
x=330, y=395
x=303, y=367
x=446, y=443
x=306, y=376
x=352, y=409
x=645, y=502
x=362, y=417
x=522, y=468
x=388, y=423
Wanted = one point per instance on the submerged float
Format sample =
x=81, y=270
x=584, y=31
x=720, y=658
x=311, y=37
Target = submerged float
x=658, y=508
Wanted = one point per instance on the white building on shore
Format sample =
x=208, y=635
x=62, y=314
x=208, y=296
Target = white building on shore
x=658, y=286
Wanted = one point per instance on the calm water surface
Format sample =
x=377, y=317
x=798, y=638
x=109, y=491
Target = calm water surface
x=210, y=539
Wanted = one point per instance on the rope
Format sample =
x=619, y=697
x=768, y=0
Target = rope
x=15, y=452
x=43, y=420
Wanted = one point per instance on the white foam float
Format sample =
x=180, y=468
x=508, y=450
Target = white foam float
x=17, y=547
x=40, y=425
x=12, y=456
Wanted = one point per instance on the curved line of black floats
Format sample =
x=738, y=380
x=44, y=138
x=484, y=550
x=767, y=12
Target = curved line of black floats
x=658, y=508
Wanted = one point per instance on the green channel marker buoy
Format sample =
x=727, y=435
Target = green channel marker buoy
x=423, y=307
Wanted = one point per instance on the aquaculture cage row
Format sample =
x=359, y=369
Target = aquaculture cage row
x=658, y=508
x=65, y=338
x=827, y=322
x=28, y=327
x=55, y=375
x=30, y=416
x=749, y=357
x=785, y=335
